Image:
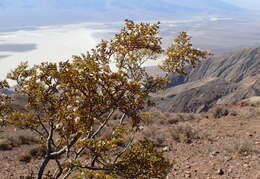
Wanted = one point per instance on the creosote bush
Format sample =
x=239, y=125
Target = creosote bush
x=25, y=140
x=70, y=103
x=5, y=144
x=8, y=143
x=38, y=152
x=26, y=158
x=184, y=133
x=219, y=111
x=242, y=147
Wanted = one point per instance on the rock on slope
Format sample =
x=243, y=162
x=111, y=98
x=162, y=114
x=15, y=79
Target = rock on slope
x=223, y=79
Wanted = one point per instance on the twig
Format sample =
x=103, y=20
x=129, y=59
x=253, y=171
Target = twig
x=102, y=125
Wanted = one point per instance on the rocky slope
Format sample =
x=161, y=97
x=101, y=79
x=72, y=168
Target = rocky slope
x=223, y=143
x=222, y=79
x=219, y=80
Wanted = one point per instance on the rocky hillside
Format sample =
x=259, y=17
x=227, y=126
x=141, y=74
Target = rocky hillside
x=219, y=80
x=222, y=79
x=223, y=143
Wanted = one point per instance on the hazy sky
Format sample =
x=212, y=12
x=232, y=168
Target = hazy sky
x=18, y=13
x=250, y=4
x=58, y=39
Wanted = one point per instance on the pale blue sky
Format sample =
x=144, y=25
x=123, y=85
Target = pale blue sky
x=250, y=4
x=17, y=13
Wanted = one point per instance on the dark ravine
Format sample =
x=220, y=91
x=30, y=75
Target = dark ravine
x=218, y=80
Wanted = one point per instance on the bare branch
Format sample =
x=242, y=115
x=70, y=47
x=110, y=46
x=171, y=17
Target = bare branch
x=38, y=132
x=68, y=173
x=94, y=161
x=79, y=152
x=122, y=119
x=59, y=170
x=49, y=140
x=102, y=125
x=125, y=149
x=90, y=168
x=42, y=125
x=64, y=149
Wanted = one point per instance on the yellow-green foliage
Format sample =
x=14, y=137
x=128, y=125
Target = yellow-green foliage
x=143, y=160
x=70, y=103
x=181, y=53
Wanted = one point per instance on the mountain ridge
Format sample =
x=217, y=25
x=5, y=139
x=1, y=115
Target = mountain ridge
x=219, y=80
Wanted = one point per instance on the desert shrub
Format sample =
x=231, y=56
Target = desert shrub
x=26, y=158
x=205, y=115
x=2, y=123
x=172, y=121
x=158, y=137
x=77, y=98
x=38, y=152
x=184, y=133
x=219, y=112
x=244, y=147
x=148, y=132
x=26, y=140
x=160, y=118
x=249, y=112
x=16, y=141
x=9, y=142
x=149, y=118
x=191, y=117
x=180, y=117
x=27, y=176
x=5, y=144
x=139, y=153
x=159, y=141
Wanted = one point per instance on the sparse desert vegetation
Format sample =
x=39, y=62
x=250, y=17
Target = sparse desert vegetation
x=7, y=143
x=105, y=114
x=212, y=144
x=86, y=114
x=198, y=145
x=132, y=102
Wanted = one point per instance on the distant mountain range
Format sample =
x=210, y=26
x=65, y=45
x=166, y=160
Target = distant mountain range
x=218, y=80
x=120, y=4
x=46, y=12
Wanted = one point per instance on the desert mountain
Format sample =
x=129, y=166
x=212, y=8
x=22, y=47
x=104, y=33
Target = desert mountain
x=218, y=80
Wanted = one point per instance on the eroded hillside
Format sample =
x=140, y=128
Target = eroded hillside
x=218, y=80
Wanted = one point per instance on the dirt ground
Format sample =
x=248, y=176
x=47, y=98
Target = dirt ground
x=221, y=144
x=231, y=150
